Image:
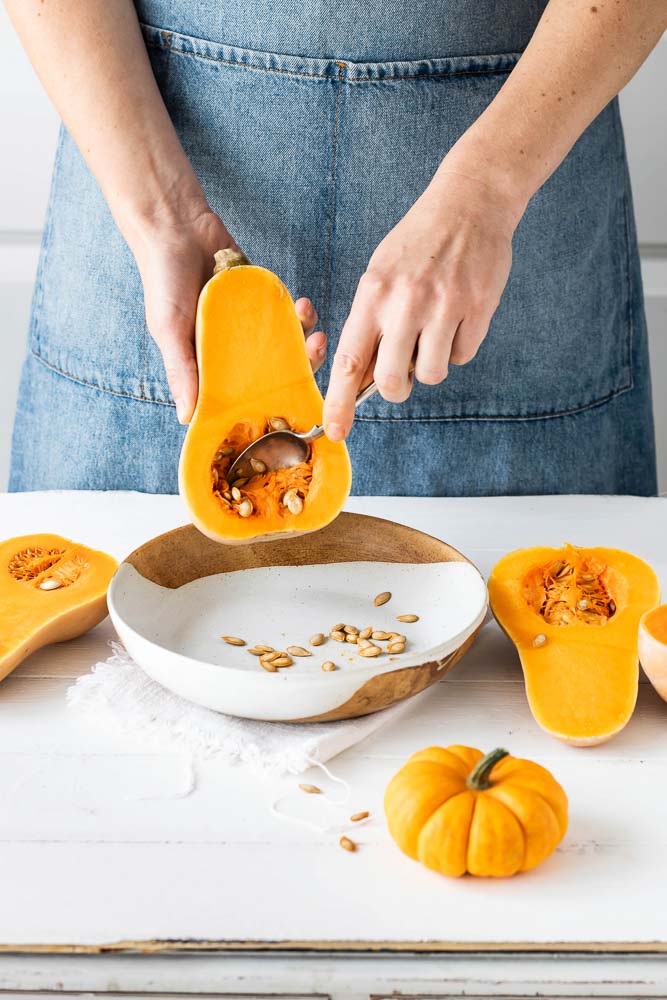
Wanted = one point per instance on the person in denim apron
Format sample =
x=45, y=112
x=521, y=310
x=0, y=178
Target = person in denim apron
x=390, y=161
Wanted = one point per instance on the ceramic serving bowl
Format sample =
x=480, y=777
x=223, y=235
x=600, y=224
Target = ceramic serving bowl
x=174, y=597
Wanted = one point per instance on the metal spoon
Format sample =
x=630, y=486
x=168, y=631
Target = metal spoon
x=282, y=449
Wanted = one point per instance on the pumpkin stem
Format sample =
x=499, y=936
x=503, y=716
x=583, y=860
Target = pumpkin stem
x=226, y=259
x=478, y=779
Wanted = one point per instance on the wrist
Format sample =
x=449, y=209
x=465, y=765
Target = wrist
x=502, y=180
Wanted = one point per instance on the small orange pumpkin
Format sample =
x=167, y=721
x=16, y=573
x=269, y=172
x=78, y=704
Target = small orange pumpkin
x=458, y=811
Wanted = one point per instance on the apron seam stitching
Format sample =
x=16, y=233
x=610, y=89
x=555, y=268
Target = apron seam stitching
x=93, y=385
x=510, y=416
x=486, y=71
x=331, y=201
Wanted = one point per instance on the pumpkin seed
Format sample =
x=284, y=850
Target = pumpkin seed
x=270, y=657
x=233, y=640
x=267, y=665
x=363, y=643
x=381, y=636
x=317, y=639
x=294, y=504
x=264, y=649
x=355, y=817
x=298, y=651
x=582, y=604
x=352, y=638
x=587, y=577
x=223, y=452
x=258, y=466
x=339, y=627
x=565, y=571
x=347, y=844
x=370, y=650
x=407, y=618
x=539, y=640
x=255, y=651
x=50, y=584
x=310, y=789
x=216, y=476
x=398, y=637
x=245, y=508
x=612, y=607
x=366, y=632
x=328, y=666
x=396, y=647
x=236, y=493
x=283, y=660
x=226, y=495
x=241, y=481
x=351, y=629
x=278, y=424
x=382, y=598
x=338, y=635
x=556, y=568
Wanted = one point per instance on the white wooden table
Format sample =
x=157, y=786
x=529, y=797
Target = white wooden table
x=112, y=883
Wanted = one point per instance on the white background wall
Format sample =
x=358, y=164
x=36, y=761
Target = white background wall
x=28, y=127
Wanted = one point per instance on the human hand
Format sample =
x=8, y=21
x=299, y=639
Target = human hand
x=175, y=260
x=428, y=294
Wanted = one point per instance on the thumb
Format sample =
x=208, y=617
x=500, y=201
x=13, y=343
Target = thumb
x=180, y=365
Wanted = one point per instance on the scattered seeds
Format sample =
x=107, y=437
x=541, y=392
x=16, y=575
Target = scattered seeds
x=255, y=650
x=351, y=629
x=370, y=650
x=355, y=817
x=407, y=618
x=233, y=640
x=264, y=649
x=339, y=627
x=267, y=665
x=317, y=639
x=381, y=636
x=539, y=640
x=347, y=844
x=310, y=789
x=338, y=635
x=328, y=666
x=382, y=598
x=352, y=638
x=298, y=651
x=258, y=466
x=50, y=584
x=282, y=660
x=366, y=632
x=245, y=508
x=363, y=643
x=396, y=647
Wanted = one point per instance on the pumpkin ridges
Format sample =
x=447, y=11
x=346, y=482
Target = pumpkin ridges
x=442, y=844
x=452, y=757
x=413, y=795
x=496, y=844
x=528, y=775
x=539, y=822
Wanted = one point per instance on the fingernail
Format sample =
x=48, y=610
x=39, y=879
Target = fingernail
x=335, y=432
x=321, y=351
x=180, y=410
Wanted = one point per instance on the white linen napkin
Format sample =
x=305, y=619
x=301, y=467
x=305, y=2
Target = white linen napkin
x=118, y=693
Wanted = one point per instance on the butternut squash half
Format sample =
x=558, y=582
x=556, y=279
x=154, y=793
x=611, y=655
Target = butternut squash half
x=653, y=648
x=254, y=377
x=573, y=615
x=51, y=589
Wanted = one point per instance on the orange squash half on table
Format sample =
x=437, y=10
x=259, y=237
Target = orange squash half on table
x=255, y=377
x=573, y=615
x=51, y=589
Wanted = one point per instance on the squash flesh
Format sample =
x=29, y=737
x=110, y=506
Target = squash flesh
x=32, y=617
x=653, y=648
x=253, y=365
x=582, y=681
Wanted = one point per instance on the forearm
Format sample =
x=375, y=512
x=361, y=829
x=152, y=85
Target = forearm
x=582, y=53
x=92, y=61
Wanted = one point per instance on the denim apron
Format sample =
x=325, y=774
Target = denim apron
x=313, y=127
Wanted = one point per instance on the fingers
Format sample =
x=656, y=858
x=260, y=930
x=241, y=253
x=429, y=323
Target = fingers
x=180, y=366
x=355, y=351
x=307, y=314
x=316, y=349
x=471, y=332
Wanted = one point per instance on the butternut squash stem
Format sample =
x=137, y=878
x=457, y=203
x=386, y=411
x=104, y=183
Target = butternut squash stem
x=226, y=259
x=478, y=779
